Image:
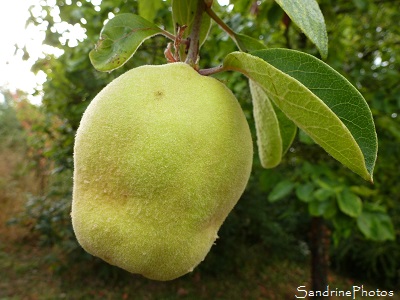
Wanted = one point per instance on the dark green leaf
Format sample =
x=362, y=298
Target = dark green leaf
x=326, y=209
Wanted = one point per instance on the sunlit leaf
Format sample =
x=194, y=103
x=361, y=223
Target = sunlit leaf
x=119, y=40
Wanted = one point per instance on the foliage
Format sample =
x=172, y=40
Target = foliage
x=362, y=47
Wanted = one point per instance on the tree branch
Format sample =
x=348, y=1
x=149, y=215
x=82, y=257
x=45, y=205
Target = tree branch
x=194, y=37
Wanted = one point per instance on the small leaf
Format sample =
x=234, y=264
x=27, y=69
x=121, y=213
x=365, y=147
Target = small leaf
x=305, y=139
x=323, y=194
x=183, y=13
x=376, y=226
x=305, y=192
x=326, y=209
x=281, y=190
x=318, y=100
x=363, y=191
x=119, y=40
x=308, y=16
x=148, y=9
x=349, y=203
x=287, y=128
x=248, y=44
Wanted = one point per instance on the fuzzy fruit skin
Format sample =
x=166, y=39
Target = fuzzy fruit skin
x=161, y=157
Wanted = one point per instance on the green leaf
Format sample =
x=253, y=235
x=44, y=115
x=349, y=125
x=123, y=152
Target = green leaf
x=247, y=43
x=335, y=91
x=308, y=16
x=318, y=100
x=119, y=40
x=287, y=128
x=326, y=209
x=323, y=194
x=148, y=9
x=275, y=132
x=376, y=226
x=281, y=190
x=305, y=139
x=349, y=203
x=305, y=192
x=183, y=12
x=269, y=138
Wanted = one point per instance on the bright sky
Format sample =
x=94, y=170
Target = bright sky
x=14, y=71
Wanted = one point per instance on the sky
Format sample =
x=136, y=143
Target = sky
x=14, y=71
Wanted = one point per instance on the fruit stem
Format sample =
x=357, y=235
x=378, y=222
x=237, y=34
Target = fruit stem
x=211, y=71
x=194, y=37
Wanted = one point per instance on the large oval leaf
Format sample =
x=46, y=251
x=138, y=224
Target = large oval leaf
x=119, y=40
x=335, y=91
x=308, y=16
x=309, y=112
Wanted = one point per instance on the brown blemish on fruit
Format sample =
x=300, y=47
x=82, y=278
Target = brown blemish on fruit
x=158, y=95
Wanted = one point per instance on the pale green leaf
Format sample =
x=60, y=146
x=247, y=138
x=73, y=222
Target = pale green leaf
x=308, y=16
x=269, y=139
x=349, y=203
x=313, y=110
x=275, y=132
x=119, y=40
x=148, y=9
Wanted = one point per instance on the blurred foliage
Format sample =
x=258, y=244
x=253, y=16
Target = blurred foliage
x=364, y=45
